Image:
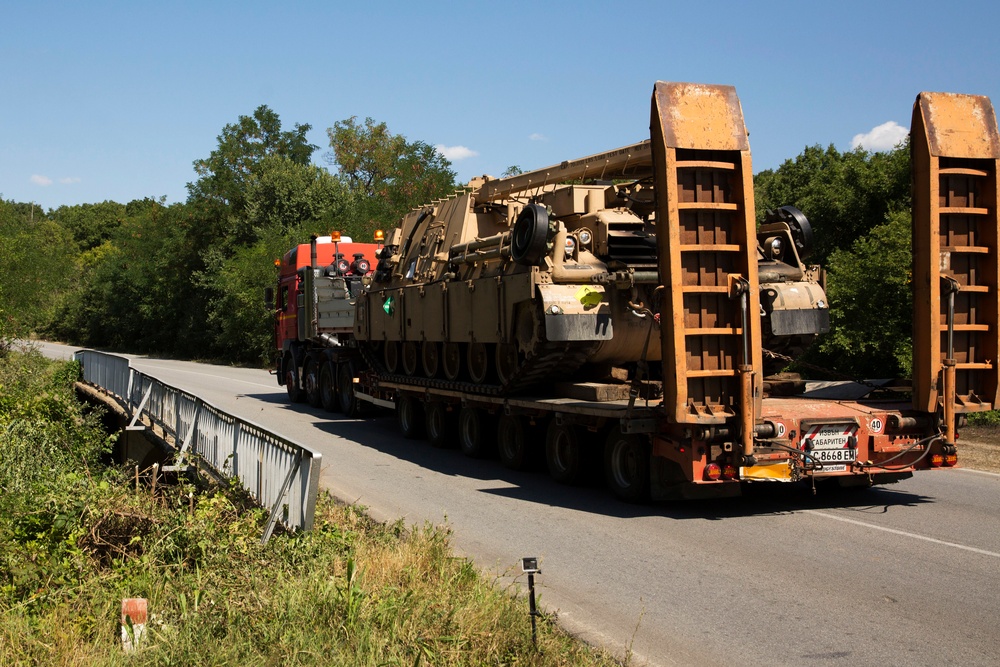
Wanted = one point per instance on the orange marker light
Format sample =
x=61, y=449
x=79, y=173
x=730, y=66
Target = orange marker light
x=277, y=263
x=335, y=237
x=379, y=236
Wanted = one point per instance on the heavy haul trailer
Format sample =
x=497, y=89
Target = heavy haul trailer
x=617, y=308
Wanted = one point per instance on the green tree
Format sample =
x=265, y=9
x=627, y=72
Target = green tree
x=387, y=174
x=871, y=304
x=858, y=204
x=90, y=224
x=36, y=270
x=242, y=146
x=844, y=195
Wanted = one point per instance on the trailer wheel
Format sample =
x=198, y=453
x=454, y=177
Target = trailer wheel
x=328, y=388
x=626, y=466
x=440, y=431
x=345, y=391
x=512, y=442
x=292, y=386
x=564, y=453
x=476, y=432
x=310, y=382
x=410, y=417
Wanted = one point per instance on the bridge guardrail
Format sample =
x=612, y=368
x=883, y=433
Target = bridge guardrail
x=279, y=474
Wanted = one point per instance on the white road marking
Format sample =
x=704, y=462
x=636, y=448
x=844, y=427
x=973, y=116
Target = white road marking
x=904, y=533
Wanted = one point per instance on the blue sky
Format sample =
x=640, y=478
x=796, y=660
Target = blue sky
x=115, y=100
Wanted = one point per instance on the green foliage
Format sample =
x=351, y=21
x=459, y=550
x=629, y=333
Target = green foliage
x=871, y=305
x=91, y=224
x=224, y=174
x=387, y=174
x=858, y=204
x=988, y=418
x=36, y=271
x=76, y=537
x=844, y=195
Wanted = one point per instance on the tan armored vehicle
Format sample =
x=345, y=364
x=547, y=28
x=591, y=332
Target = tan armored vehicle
x=554, y=273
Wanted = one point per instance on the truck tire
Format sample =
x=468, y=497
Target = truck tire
x=512, y=442
x=310, y=383
x=292, y=386
x=328, y=388
x=626, y=465
x=564, y=453
x=345, y=391
x=410, y=416
x=440, y=430
x=476, y=432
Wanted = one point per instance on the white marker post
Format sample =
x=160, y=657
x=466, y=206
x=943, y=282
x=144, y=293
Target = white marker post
x=133, y=623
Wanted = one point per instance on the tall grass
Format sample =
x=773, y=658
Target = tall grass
x=350, y=592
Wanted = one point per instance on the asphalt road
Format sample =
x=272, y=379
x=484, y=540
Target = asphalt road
x=901, y=575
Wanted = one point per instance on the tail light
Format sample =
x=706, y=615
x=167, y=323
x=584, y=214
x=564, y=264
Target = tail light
x=936, y=460
x=729, y=471
x=950, y=460
x=713, y=472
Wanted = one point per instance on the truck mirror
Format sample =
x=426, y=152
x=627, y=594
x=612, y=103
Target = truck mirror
x=269, y=298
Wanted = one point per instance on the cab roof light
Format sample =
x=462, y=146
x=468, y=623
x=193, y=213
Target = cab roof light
x=335, y=237
x=379, y=236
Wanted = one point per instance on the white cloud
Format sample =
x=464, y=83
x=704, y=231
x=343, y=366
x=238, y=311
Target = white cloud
x=38, y=179
x=69, y=180
x=537, y=136
x=884, y=137
x=455, y=153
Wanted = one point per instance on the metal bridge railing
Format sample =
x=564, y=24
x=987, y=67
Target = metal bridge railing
x=279, y=474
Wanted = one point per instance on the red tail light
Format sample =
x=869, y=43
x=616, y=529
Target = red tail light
x=729, y=471
x=936, y=460
x=950, y=459
x=713, y=472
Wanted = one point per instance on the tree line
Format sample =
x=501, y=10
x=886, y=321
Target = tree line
x=186, y=279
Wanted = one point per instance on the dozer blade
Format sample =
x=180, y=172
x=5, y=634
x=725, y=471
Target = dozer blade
x=955, y=149
x=707, y=250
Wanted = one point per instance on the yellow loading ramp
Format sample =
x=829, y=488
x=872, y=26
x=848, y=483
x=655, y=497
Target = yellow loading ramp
x=955, y=148
x=706, y=238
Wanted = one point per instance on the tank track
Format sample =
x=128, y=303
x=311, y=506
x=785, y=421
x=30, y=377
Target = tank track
x=553, y=360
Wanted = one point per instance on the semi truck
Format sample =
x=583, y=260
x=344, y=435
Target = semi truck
x=624, y=314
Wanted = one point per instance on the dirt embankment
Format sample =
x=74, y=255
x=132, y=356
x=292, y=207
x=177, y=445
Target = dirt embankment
x=979, y=448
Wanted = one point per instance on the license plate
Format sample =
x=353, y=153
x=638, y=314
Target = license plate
x=829, y=442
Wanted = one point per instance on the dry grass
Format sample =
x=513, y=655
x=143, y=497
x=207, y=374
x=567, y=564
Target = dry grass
x=979, y=448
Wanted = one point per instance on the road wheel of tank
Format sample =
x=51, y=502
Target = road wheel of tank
x=440, y=429
x=564, y=454
x=508, y=361
x=292, y=386
x=310, y=383
x=430, y=358
x=529, y=236
x=478, y=358
x=512, y=442
x=476, y=432
x=328, y=388
x=626, y=465
x=349, y=404
x=410, y=356
x=390, y=356
x=410, y=416
x=451, y=360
